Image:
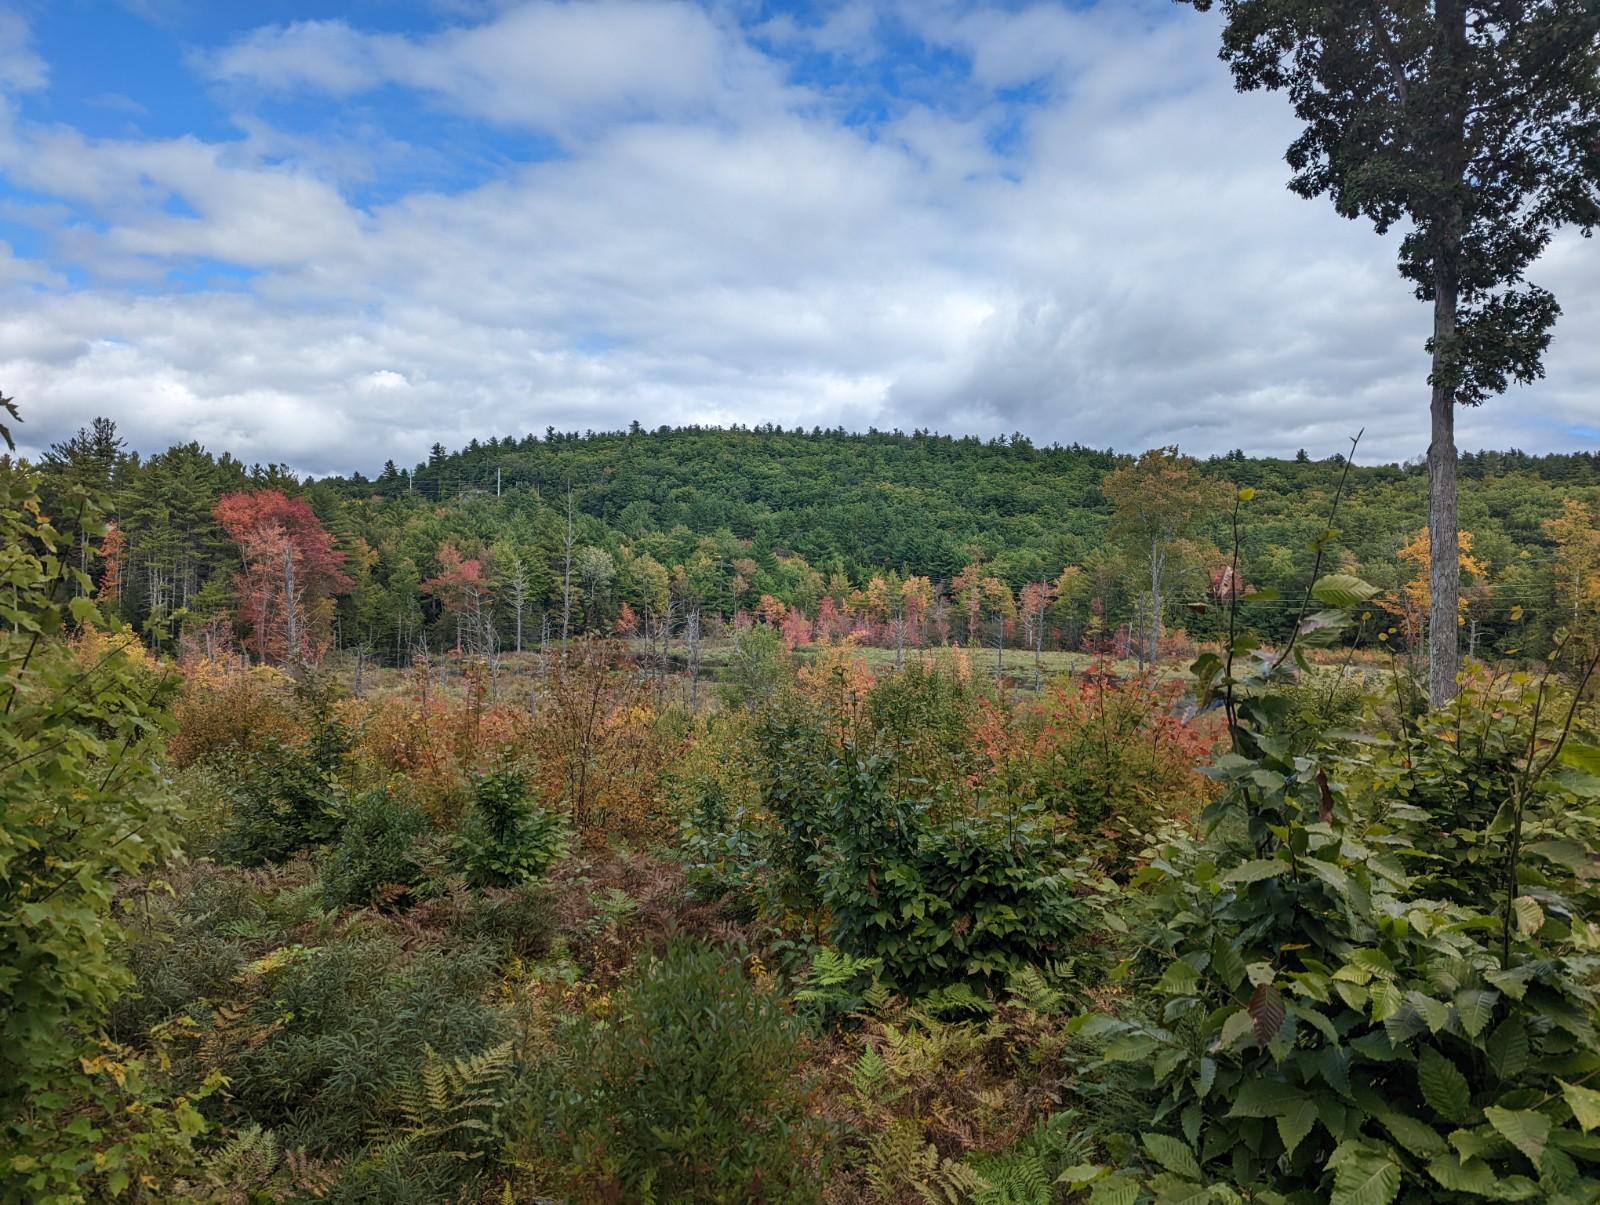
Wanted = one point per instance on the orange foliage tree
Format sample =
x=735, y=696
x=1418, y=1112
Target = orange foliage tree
x=460, y=587
x=1111, y=756
x=597, y=749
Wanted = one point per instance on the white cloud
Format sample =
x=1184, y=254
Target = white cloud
x=21, y=68
x=713, y=245
x=554, y=66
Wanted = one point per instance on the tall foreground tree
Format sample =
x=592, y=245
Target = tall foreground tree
x=1477, y=124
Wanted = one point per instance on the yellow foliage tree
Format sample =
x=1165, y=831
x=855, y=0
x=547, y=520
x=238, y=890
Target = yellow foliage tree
x=1576, y=573
x=1415, y=597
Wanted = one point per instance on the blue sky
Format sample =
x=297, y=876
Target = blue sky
x=328, y=234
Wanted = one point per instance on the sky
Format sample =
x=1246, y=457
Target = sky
x=327, y=235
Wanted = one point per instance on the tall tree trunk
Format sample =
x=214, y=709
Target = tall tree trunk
x=291, y=609
x=566, y=582
x=1038, y=652
x=692, y=631
x=1157, y=564
x=1444, y=553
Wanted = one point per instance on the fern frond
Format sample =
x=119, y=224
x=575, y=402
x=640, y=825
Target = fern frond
x=1029, y=988
x=869, y=1074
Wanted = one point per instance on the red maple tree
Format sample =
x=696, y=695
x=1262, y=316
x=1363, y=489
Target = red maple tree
x=290, y=576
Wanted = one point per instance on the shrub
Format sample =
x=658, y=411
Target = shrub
x=81, y=807
x=714, y=797
x=688, y=1091
x=1115, y=757
x=183, y=947
x=289, y=796
x=283, y=803
x=374, y=849
x=508, y=839
x=1333, y=1029
x=927, y=717
x=518, y=920
x=427, y=742
x=758, y=666
x=230, y=719
x=938, y=902
x=597, y=745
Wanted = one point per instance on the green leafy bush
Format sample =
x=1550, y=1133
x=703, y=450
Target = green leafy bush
x=282, y=803
x=687, y=1093
x=81, y=807
x=722, y=847
x=940, y=901
x=374, y=849
x=1332, y=1027
x=508, y=839
x=925, y=716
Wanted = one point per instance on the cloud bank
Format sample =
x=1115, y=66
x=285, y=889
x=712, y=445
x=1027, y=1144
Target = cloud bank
x=1048, y=219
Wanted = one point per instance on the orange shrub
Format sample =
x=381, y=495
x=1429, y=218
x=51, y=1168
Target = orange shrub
x=1112, y=755
x=597, y=747
x=427, y=742
x=227, y=715
x=837, y=681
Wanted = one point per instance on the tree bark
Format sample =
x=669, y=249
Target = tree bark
x=1157, y=564
x=1448, y=139
x=291, y=609
x=1444, y=554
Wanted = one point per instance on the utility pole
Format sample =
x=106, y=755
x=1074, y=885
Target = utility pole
x=497, y=482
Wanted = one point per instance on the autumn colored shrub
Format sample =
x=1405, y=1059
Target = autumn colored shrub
x=426, y=742
x=1110, y=757
x=227, y=718
x=837, y=683
x=595, y=744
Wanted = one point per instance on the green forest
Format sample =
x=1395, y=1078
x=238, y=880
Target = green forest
x=699, y=816
x=838, y=534
x=716, y=815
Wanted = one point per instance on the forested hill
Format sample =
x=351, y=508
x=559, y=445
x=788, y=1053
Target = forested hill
x=929, y=504
x=718, y=521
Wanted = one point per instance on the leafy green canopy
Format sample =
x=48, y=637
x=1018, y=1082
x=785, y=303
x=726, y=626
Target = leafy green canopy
x=1474, y=122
